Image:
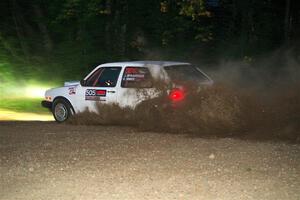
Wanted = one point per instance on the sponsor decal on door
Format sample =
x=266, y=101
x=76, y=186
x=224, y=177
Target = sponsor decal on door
x=95, y=95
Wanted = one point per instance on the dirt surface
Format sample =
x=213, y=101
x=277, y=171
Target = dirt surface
x=45, y=160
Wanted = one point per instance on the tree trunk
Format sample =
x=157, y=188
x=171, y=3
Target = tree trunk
x=48, y=44
x=107, y=36
x=19, y=31
x=287, y=21
x=123, y=29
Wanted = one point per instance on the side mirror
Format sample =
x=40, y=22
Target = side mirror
x=83, y=82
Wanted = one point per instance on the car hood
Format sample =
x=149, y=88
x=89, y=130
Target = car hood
x=71, y=83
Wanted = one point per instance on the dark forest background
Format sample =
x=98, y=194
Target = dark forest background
x=66, y=38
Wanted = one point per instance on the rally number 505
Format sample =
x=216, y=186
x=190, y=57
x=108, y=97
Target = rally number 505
x=90, y=92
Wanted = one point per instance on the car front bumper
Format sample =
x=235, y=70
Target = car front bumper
x=46, y=104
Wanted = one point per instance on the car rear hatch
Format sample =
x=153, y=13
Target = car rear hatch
x=187, y=73
x=185, y=80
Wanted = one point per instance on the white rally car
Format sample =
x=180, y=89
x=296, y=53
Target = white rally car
x=122, y=83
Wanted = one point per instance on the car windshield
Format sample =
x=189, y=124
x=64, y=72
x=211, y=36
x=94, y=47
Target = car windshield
x=185, y=73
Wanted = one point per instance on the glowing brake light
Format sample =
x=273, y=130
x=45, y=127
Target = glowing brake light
x=176, y=95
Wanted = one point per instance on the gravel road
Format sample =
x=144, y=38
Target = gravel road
x=44, y=160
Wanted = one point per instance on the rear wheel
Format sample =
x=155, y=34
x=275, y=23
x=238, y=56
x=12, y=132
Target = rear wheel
x=61, y=110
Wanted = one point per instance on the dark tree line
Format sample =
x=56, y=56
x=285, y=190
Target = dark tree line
x=75, y=34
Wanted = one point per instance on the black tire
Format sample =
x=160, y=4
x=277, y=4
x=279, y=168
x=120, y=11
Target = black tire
x=61, y=110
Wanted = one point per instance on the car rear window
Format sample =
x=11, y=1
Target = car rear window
x=136, y=77
x=185, y=73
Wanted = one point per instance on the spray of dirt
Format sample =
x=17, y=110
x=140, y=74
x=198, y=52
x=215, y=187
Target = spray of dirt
x=216, y=111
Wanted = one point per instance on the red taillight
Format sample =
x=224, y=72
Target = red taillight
x=176, y=95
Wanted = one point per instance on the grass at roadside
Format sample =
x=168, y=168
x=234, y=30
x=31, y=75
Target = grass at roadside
x=31, y=105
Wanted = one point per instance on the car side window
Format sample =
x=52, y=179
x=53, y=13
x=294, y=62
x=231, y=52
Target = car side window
x=136, y=77
x=104, y=77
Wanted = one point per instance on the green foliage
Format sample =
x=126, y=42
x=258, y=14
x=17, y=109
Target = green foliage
x=42, y=38
x=5, y=77
x=193, y=8
x=23, y=105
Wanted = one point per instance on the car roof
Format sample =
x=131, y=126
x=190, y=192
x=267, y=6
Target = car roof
x=156, y=65
x=143, y=63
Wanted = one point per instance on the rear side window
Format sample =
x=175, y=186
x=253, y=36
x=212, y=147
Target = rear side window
x=104, y=77
x=136, y=77
x=185, y=73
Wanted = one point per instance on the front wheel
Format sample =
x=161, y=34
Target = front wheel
x=61, y=110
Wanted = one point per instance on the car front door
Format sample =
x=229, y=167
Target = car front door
x=100, y=87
